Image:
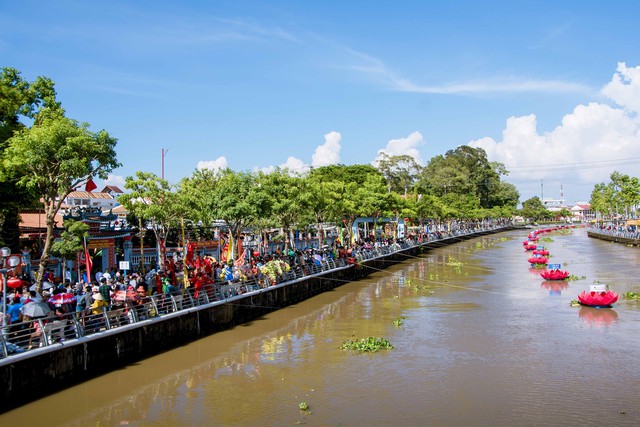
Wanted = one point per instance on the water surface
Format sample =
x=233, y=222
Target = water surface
x=485, y=342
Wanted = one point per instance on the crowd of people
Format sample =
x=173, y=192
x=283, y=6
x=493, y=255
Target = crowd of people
x=82, y=302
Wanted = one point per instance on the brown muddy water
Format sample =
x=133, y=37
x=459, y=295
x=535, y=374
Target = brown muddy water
x=485, y=342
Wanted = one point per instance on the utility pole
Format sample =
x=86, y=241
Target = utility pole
x=164, y=153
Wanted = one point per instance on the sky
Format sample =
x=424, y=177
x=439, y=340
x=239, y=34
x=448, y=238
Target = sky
x=551, y=89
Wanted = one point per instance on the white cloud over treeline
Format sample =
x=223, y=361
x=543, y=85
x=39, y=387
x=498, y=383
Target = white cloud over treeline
x=591, y=141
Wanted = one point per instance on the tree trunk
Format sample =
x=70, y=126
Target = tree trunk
x=48, y=242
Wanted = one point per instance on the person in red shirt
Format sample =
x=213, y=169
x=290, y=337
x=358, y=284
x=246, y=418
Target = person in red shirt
x=198, y=285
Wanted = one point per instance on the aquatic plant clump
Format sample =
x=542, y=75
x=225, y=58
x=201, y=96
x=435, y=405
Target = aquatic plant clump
x=398, y=322
x=367, y=345
x=631, y=296
x=304, y=406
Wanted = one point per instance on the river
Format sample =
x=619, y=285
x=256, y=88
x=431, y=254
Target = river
x=480, y=340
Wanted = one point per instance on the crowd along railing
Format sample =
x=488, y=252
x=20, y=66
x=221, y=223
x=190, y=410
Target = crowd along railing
x=49, y=331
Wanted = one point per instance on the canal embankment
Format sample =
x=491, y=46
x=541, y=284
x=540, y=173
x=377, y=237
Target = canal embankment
x=616, y=236
x=32, y=374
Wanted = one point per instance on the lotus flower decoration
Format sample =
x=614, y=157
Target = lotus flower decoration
x=554, y=274
x=538, y=260
x=597, y=298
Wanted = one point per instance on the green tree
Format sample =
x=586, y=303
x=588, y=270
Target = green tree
x=71, y=240
x=19, y=101
x=564, y=213
x=52, y=158
x=504, y=194
x=153, y=200
x=534, y=210
x=233, y=197
x=400, y=171
x=286, y=201
x=602, y=200
x=464, y=171
x=316, y=199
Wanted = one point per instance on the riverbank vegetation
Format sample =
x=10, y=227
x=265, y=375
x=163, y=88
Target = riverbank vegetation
x=618, y=198
x=44, y=155
x=462, y=184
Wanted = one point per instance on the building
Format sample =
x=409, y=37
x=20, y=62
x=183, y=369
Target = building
x=87, y=199
x=582, y=212
x=113, y=190
x=554, y=205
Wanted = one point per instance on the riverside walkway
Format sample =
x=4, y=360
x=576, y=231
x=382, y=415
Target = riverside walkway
x=54, y=332
x=57, y=352
x=615, y=235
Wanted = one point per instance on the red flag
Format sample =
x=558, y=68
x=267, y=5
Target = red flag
x=90, y=186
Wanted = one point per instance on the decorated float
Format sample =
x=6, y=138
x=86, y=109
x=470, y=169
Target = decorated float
x=538, y=261
x=540, y=251
x=554, y=273
x=597, y=296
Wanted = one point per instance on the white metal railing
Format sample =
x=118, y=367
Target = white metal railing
x=45, y=332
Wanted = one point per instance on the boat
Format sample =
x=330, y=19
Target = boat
x=554, y=274
x=597, y=296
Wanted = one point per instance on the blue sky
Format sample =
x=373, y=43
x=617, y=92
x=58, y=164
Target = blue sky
x=551, y=89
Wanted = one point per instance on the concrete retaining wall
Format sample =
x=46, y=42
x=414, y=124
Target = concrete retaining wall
x=612, y=238
x=34, y=374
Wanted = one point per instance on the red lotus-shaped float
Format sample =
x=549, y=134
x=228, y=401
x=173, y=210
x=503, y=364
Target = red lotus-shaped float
x=542, y=252
x=597, y=296
x=554, y=274
x=538, y=260
x=529, y=247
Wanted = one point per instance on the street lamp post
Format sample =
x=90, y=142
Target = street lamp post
x=12, y=261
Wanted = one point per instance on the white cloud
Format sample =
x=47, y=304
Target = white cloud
x=266, y=170
x=591, y=142
x=624, y=87
x=116, y=180
x=295, y=165
x=215, y=165
x=376, y=69
x=329, y=152
x=403, y=146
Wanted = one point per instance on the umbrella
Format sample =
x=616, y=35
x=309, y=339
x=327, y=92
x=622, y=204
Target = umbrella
x=128, y=295
x=62, y=298
x=45, y=285
x=36, y=309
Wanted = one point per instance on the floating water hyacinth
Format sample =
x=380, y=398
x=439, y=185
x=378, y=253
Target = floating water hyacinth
x=367, y=345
